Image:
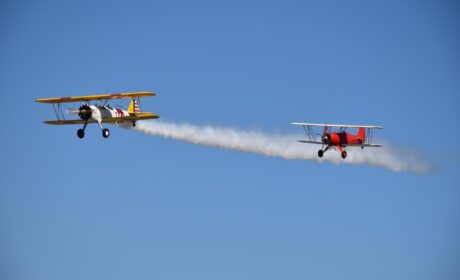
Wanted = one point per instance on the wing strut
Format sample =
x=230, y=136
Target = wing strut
x=139, y=104
x=369, y=136
x=58, y=111
x=309, y=132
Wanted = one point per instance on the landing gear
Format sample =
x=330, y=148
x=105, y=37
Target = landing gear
x=105, y=133
x=134, y=123
x=320, y=153
x=81, y=131
x=343, y=153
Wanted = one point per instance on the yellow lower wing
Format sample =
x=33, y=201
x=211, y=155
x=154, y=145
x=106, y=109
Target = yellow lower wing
x=132, y=117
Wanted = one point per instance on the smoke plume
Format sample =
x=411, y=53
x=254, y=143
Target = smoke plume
x=283, y=146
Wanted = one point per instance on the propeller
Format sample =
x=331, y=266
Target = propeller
x=84, y=112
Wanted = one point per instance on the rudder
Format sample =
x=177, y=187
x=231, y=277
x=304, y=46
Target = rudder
x=133, y=107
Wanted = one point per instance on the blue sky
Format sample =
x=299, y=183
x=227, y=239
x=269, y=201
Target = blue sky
x=135, y=206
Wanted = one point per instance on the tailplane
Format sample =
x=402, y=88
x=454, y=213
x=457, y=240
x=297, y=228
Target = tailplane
x=133, y=107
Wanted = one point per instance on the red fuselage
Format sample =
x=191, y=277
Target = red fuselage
x=342, y=139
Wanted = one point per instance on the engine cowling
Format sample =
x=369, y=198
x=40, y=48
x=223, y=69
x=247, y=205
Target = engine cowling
x=326, y=138
x=85, y=112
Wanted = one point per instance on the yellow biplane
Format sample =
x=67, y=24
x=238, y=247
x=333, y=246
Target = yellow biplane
x=101, y=112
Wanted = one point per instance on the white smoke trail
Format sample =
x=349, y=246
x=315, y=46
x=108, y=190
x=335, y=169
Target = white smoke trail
x=283, y=146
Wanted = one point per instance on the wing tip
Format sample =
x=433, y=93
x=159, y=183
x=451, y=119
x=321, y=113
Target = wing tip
x=143, y=93
x=43, y=100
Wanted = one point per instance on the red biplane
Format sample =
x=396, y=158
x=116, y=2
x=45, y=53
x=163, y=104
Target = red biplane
x=341, y=138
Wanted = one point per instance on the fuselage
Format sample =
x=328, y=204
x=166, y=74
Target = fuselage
x=341, y=139
x=107, y=112
x=98, y=113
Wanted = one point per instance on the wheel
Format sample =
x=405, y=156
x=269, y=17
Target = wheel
x=80, y=133
x=344, y=154
x=105, y=133
x=134, y=123
x=320, y=153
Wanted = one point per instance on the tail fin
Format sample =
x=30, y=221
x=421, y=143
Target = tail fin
x=133, y=107
x=361, y=133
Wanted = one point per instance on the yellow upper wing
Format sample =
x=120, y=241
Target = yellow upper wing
x=133, y=117
x=95, y=97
